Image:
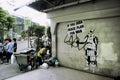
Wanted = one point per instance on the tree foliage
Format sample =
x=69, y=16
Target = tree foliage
x=6, y=20
x=31, y=30
x=3, y=17
x=36, y=30
x=11, y=21
x=23, y=34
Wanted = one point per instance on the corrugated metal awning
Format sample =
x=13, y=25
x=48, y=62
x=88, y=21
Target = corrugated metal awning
x=48, y=5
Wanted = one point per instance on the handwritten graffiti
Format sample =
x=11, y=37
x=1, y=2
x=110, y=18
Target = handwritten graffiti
x=74, y=28
x=74, y=42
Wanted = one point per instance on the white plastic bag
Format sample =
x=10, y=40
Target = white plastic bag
x=56, y=63
x=29, y=67
x=12, y=58
x=44, y=66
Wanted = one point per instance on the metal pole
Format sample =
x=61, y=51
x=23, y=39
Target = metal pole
x=28, y=39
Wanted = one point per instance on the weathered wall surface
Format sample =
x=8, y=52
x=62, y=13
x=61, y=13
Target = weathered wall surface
x=104, y=17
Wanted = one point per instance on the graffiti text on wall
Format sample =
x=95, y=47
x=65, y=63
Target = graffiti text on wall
x=75, y=27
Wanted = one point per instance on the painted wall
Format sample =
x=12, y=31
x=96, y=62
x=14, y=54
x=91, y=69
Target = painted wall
x=103, y=16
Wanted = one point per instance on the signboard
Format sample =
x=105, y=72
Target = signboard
x=75, y=27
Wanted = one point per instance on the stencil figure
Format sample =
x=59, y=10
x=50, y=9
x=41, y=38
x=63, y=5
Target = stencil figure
x=91, y=42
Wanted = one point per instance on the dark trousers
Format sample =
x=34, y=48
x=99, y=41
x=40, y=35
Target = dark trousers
x=1, y=56
x=39, y=59
x=15, y=49
x=8, y=56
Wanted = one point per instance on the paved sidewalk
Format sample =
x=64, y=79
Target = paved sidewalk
x=9, y=70
x=58, y=73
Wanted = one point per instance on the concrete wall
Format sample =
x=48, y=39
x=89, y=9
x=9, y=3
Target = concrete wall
x=104, y=17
